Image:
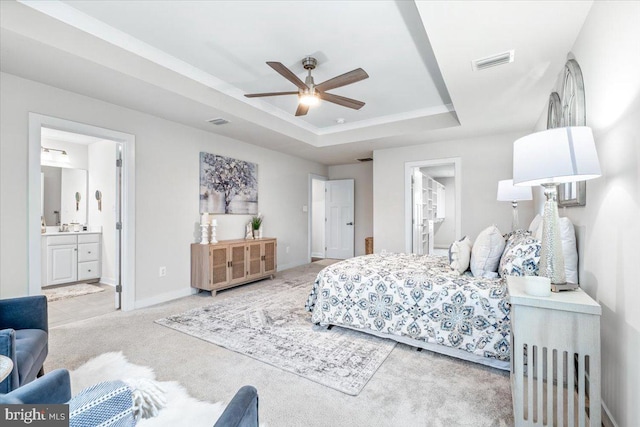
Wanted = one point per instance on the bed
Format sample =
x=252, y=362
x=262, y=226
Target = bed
x=417, y=300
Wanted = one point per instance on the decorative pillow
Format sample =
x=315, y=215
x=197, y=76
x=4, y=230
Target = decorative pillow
x=460, y=254
x=486, y=253
x=521, y=255
x=569, y=247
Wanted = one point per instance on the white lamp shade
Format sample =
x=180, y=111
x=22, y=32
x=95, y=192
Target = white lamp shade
x=555, y=156
x=507, y=192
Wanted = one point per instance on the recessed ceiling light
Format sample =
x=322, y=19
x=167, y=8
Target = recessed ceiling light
x=340, y=120
x=493, y=60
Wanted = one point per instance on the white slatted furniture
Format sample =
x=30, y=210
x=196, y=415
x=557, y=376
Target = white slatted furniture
x=555, y=363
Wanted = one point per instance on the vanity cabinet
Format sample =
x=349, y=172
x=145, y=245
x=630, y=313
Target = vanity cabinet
x=70, y=258
x=229, y=263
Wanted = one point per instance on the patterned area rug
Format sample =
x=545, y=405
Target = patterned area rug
x=71, y=291
x=271, y=325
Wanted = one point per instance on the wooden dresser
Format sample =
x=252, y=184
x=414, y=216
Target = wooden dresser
x=230, y=263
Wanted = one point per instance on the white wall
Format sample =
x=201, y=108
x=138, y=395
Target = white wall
x=317, y=218
x=608, y=231
x=445, y=231
x=362, y=174
x=485, y=161
x=167, y=169
x=73, y=184
x=102, y=176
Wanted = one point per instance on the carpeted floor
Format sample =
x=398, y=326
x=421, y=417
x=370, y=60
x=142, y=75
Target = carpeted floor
x=410, y=388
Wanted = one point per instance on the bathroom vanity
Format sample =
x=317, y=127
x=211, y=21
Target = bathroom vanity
x=71, y=257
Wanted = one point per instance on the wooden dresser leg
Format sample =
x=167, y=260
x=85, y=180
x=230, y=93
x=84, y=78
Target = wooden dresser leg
x=213, y=293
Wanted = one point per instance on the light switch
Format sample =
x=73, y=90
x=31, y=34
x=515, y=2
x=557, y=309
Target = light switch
x=304, y=208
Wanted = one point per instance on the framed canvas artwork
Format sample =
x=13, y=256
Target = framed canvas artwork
x=227, y=185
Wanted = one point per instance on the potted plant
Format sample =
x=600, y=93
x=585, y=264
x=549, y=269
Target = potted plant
x=256, y=224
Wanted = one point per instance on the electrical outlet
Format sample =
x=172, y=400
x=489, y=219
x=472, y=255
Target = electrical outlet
x=287, y=249
x=162, y=272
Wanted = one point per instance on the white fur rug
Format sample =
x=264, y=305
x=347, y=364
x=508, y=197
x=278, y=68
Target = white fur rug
x=181, y=409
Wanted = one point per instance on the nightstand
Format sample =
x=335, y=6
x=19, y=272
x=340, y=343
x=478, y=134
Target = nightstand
x=555, y=357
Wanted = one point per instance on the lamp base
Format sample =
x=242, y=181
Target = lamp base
x=551, y=256
x=515, y=222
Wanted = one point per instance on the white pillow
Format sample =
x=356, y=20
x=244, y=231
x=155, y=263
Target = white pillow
x=535, y=224
x=486, y=253
x=569, y=247
x=460, y=254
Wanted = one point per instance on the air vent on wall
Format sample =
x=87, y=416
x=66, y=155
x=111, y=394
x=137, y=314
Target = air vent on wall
x=218, y=121
x=365, y=159
x=493, y=60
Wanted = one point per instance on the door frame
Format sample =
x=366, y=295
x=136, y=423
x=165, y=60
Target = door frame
x=127, y=249
x=408, y=208
x=312, y=176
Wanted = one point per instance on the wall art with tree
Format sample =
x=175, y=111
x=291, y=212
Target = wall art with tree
x=227, y=185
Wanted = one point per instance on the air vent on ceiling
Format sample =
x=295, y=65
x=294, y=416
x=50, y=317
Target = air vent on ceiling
x=365, y=159
x=218, y=121
x=493, y=60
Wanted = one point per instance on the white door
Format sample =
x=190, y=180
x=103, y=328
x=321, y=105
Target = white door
x=339, y=232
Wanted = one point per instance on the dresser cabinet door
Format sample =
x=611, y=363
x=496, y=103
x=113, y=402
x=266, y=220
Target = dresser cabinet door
x=237, y=267
x=269, y=256
x=254, y=260
x=62, y=264
x=219, y=265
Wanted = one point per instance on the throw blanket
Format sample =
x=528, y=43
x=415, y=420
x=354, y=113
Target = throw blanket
x=419, y=297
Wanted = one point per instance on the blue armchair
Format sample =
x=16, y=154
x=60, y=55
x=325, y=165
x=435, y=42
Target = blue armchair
x=24, y=337
x=242, y=411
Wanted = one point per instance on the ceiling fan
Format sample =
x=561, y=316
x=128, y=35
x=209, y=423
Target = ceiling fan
x=309, y=93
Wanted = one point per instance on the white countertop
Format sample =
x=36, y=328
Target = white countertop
x=66, y=233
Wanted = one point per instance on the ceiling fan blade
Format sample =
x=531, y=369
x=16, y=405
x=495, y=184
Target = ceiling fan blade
x=287, y=74
x=343, y=80
x=256, y=95
x=302, y=110
x=341, y=100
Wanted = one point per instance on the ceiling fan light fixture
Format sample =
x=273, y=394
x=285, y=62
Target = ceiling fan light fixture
x=309, y=100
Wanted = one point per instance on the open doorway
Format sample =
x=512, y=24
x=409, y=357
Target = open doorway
x=432, y=209
x=81, y=221
x=331, y=218
x=80, y=209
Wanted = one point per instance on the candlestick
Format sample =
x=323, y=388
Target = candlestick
x=204, y=231
x=204, y=219
x=214, y=225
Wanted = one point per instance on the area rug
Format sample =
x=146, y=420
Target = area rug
x=270, y=324
x=181, y=409
x=71, y=291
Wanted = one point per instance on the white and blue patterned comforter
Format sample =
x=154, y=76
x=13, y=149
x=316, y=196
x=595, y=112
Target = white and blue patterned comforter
x=417, y=297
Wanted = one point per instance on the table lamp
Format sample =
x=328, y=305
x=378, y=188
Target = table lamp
x=507, y=192
x=548, y=158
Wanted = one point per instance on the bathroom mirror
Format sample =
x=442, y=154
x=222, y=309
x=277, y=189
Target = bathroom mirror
x=64, y=195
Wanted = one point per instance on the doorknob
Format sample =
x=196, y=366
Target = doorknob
x=350, y=223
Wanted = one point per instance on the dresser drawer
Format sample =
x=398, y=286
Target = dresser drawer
x=89, y=238
x=88, y=252
x=61, y=240
x=88, y=270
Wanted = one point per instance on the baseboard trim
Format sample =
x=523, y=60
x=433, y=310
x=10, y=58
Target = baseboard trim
x=107, y=281
x=158, y=299
x=317, y=254
x=607, y=418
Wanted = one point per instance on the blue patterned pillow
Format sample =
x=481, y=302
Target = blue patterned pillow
x=521, y=255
